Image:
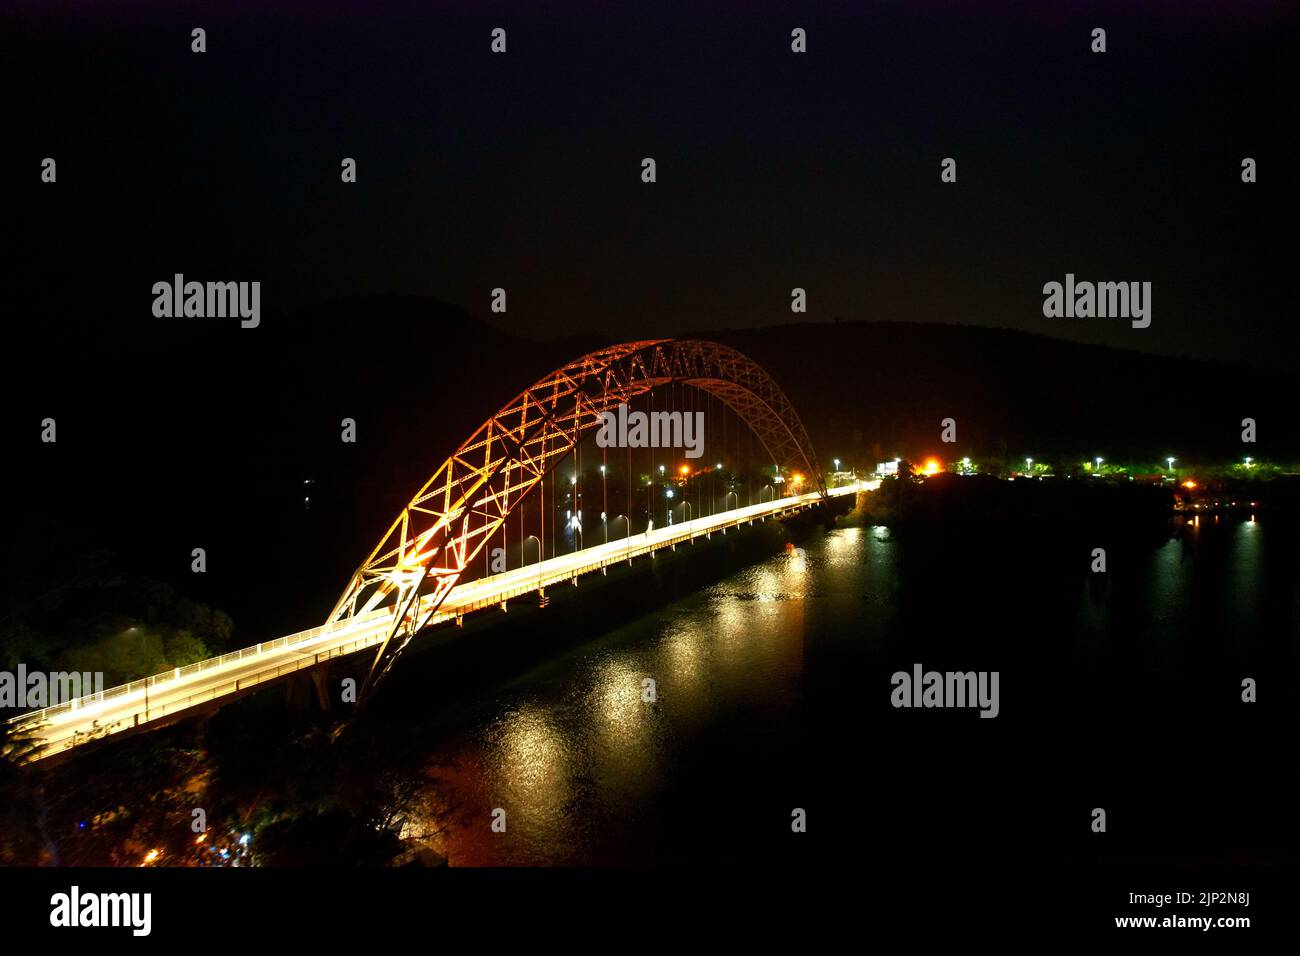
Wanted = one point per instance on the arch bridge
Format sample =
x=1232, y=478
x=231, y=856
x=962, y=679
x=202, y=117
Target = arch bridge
x=416, y=575
x=427, y=548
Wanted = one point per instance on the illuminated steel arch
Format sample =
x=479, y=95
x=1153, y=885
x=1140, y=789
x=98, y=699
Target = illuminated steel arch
x=449, y=521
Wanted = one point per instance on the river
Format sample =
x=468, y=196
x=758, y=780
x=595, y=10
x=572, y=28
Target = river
x=772, y=694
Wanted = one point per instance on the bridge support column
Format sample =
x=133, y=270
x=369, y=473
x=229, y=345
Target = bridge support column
x=319, y=675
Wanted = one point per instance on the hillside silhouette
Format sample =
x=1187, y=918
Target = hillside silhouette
x=175, y=434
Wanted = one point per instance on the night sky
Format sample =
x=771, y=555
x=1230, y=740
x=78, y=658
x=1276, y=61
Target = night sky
x=775, y=170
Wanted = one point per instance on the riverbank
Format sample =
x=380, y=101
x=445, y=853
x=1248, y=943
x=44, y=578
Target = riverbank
x=950, y=498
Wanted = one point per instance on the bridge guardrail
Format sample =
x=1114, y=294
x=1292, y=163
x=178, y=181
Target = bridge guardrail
x=159, y=711
x=176, y=673
x=527, y=585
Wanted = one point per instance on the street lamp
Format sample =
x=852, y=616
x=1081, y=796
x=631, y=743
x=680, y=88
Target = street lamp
x=523, y=560
x=837, y=463
x=1170, y=462
x=629, y=536
x=1098, y=461
x=604, y=497
x=1248, y=461
x=1029, y=465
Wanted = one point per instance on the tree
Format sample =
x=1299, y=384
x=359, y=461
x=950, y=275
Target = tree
x=21, y=819
x=184, y=648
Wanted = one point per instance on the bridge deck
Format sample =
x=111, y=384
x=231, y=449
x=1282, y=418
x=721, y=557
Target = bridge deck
x=162, y=696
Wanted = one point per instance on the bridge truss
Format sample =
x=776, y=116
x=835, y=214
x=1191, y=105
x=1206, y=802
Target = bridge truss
x=454, y=515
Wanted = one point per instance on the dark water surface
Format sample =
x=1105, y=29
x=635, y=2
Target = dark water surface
x=1120, y=691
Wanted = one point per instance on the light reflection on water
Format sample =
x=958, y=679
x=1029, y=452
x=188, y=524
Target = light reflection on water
x=583, y=746
x=587, y=770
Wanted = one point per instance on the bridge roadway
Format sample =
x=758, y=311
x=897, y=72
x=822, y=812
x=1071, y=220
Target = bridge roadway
x=127, y=706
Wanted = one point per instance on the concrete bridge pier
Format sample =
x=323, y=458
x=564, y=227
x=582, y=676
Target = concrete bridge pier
x=309, y=689
x=319, y=679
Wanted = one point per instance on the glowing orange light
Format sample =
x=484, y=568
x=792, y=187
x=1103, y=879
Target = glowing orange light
x=932, y=467
x=200, y=838
x=685, y=469
x=150, y=856
x=797, y=478
x=1189, y=484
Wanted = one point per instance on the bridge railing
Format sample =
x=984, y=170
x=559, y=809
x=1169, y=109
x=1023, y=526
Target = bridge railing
x=615, y=552
x=177, y=673
x=235, y=685
x=635, y=547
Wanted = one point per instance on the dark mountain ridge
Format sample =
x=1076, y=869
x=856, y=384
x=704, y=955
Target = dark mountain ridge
x=175, y=434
